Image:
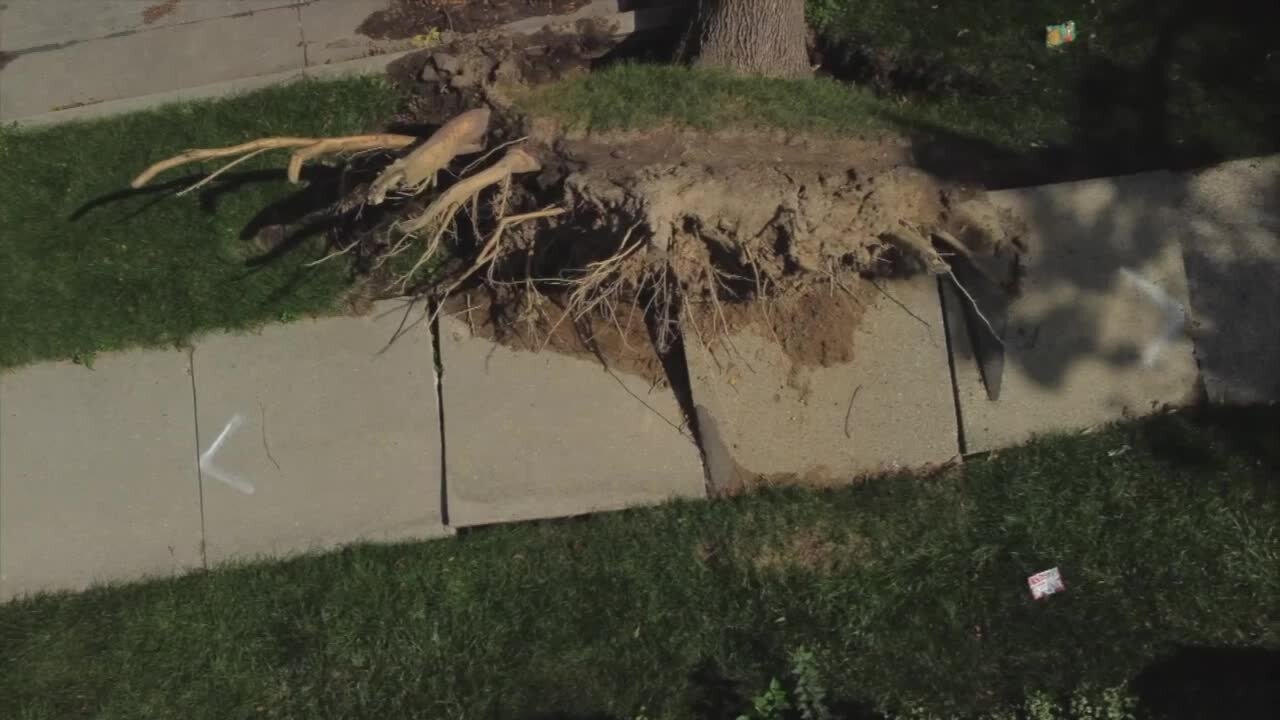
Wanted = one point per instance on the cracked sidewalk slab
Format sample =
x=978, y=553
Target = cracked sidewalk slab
x=764, y=420
x=44, y=24
x=1098, y=329
x=542, y=435
x=317, y=433
x=83, y=74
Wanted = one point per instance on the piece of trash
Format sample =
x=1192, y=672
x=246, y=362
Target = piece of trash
x=1118, y=451
x=426, y=40
x=1060, y=34
x=1044, y=584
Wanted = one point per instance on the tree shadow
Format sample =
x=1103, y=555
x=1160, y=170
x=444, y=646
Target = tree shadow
x=1212, y=437
x=1204, y=682
x=279, y=228
x=1206, y=239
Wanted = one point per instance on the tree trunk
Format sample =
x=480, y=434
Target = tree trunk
x=755, y=37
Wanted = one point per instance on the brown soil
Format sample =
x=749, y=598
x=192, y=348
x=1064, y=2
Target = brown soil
x=793, y=262
x=161, y=9
x=471, y=71
x=686, y=233
x=533, y=322
x=407, y=18
x=813, y=328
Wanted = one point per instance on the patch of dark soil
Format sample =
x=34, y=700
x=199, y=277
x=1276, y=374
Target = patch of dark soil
x=473, y=70
x=407, y=18
x=860, y=61
x=160, y=10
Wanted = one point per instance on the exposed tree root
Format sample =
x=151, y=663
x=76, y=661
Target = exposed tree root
x=416, y=171
x=325, y=145
x=439, y=215
x=492, y=248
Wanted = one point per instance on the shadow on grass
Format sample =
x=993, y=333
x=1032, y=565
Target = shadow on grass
x=279, y=228
x=1203, y=682
x=1212, y=437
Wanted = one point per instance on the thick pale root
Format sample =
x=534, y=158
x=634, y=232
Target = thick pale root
x=416, y=171
x=333, y=146
x=441, y=211
x=439, y=215
x=328, y=145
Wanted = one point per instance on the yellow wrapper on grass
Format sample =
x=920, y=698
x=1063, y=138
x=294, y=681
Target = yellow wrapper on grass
x=1060, y=34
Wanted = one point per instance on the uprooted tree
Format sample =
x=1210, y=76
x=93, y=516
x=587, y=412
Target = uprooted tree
x=611, y=235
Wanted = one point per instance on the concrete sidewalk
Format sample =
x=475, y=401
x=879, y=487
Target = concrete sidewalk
x=303, y=437
x=65, y=54
x=63, y=60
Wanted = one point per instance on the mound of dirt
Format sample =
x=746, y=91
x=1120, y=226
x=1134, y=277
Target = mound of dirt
x=407, y=18
x=470, y=71
x=703, y=234
x=781, y=239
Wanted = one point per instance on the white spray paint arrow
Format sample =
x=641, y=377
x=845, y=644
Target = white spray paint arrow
x=206, y=459
x=1175, y=316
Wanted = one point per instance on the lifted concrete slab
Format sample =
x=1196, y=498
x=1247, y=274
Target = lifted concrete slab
x=1231, y=247
x=763, y=420
x=541, y=435
x=97, y=472
x=312, y=436
x=150, y=62
x=1098, y=330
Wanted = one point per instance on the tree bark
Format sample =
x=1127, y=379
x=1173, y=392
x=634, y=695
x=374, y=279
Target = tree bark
x=754, y=37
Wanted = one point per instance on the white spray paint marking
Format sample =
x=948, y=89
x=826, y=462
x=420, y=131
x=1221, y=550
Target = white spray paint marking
x=1175, y=316
x=206, y=459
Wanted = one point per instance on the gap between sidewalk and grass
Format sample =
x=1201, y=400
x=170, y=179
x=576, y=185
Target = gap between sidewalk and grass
x=87, y=265
x=910, y=592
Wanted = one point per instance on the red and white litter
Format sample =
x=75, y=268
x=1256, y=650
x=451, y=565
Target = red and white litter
x=1044, y=584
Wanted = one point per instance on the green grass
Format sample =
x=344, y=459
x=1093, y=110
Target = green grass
x=82, y=271
x=627, y=97
x=641, y=96
x=1144, y=85
x=1173, y=74
x=911, y=592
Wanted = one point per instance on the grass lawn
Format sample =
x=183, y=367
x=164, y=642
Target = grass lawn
x=87, y=266
x=1143, y=87
x=908, y=592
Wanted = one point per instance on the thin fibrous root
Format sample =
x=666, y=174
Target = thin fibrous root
x=441, y=211
x=594, y=286
x=355, y=142
x=416, y=171
x=439, y=215
x=492, y=247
